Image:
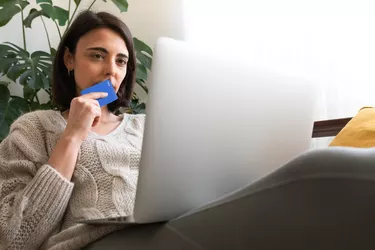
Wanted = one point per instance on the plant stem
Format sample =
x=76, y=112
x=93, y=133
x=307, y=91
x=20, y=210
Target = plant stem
x=45, y=28
x=69, y=12
x=23, y=31
x=58, y=29
x=70, y=19
x=91, y=5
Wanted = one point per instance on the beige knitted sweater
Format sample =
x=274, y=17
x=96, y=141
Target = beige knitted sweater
x=39, y=208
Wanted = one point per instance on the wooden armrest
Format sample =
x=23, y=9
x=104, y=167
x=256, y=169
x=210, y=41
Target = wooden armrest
x=328, y=128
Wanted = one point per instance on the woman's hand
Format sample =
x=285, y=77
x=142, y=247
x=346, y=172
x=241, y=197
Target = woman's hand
x=84, y=113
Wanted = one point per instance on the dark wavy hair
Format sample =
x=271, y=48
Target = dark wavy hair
x=64, y=86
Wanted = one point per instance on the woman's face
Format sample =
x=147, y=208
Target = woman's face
x=100, y=54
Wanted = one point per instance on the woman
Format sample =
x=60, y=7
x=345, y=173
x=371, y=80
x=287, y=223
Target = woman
x=57, y=167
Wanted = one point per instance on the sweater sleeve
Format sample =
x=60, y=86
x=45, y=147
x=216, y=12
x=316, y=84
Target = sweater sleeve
x=33, y=195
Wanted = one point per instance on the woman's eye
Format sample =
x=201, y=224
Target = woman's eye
x=97, y=56
x=122, y=61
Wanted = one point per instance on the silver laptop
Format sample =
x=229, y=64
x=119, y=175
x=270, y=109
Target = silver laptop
x=214, y=124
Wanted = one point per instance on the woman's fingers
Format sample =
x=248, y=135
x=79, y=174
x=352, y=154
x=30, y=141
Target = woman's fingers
x=95, y=95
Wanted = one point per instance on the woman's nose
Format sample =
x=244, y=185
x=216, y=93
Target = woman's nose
x=110, y=69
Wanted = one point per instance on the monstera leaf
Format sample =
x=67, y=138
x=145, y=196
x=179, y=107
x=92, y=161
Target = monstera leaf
x=144, y=57
x=55, y=13
x=48, y=10
x=122, y=5
x=136, y=106
x=34, y=13
x=10, y=109
x=144, y=53
x=34, y=70
x=8, y=9
x=141, y=72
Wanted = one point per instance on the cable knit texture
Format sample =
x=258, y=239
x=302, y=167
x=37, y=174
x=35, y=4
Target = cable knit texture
x=39, y=209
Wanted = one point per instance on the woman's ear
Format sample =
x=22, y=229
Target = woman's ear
x=68, y=59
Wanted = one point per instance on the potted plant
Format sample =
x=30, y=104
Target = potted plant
x=33, y=70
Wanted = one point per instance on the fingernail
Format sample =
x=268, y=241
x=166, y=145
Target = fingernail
x=105, y=93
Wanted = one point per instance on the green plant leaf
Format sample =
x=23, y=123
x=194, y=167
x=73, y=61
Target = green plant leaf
x=35, y=106
x=34, y=13
x=141, y=46
x=10, y=109
x=17, y=107
x=6, y=62
x=53, y=52
x=122, y=5
x=4, y=130
x=46, y=106
x=4, y=50
x=141, y=72
x=136, y=106
x=44, y=1
x=34, y=71
x=144, y=59
x=142, y=84
x=4, y=103
x=28, y=93
x=8, y=9
x=144, y=55
x=15, y=71
x=56, y=13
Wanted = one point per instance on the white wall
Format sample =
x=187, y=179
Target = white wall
x=329, y=42
x=147, y=19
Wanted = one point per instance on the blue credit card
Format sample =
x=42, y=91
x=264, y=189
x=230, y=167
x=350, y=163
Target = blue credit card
x=104, y=86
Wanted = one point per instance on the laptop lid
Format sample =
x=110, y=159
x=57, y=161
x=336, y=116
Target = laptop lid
x=213, y=125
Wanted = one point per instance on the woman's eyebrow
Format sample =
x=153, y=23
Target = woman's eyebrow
x=104, y=50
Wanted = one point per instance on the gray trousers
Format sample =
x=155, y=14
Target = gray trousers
x=323, y=199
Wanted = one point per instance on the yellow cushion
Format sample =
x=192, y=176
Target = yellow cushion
x=359, y=132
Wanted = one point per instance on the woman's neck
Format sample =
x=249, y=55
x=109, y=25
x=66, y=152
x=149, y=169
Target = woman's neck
x=106, y=116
